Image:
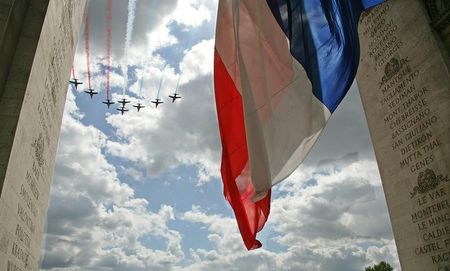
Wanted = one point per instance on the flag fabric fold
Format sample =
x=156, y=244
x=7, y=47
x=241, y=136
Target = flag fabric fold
x=281, y=68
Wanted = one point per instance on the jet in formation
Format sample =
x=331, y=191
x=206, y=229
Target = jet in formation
x=91, y=92
x=157, y=101
x=138, y=106
x=108, y=102
x=122, y=110
x=174, y=97
x=123, y=102
x=75, y=82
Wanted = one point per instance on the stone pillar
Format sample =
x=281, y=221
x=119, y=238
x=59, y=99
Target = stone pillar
x=439, y=12
x=37, y=46
x=404, y=84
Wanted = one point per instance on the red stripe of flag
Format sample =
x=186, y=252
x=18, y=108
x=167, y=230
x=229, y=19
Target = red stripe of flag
x=250, y=216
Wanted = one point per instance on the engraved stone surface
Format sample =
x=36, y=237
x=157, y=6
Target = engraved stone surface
x=32, y=99
x=405, y=88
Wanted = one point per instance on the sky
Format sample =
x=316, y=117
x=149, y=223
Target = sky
x=142, y=191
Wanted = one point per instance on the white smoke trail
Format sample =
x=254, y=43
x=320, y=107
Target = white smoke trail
x=128, y=36
x=146, y=63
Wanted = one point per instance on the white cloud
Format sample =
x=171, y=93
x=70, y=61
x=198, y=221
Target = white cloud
x=198, y=60
x=333, y=206
x=191, y=13
x=184, y=132
x=311, y=220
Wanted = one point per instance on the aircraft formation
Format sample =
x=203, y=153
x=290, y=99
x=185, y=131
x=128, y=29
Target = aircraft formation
x=122, y=109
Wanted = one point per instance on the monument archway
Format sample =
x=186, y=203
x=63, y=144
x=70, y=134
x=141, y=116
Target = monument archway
x=37, y=45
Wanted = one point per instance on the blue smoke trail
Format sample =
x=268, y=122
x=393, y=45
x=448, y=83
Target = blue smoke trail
x=178, y=83
x=160, y=81
x=128, y=36
x=140, y=87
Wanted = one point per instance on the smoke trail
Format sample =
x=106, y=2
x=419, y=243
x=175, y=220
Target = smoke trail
x=108, y=45
x=87, y=46
x=141, y=82
x=161, y=81
x=147, y=63
x=178, y=83
x=130, y=23
x=73, y=71
x=128, y=36
x=189, y=45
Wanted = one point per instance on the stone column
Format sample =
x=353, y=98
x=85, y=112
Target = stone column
x=439, y=11
x=37, y=46
x=404, y=84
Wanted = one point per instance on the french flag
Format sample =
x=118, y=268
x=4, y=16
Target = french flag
x=281, y=68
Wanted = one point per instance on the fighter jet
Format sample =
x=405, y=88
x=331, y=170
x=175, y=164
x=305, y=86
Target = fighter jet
x=122, y=109
x=91, y=92
x=75, y=82
x=138, y=106
x=123, y=102
x=108, y=102
x=174, y=97
x=157, y=101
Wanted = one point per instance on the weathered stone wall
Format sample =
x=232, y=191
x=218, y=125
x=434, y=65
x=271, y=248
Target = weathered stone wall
x=405, y=88
x=33, y=94
x=439, y=12
x=14, y=14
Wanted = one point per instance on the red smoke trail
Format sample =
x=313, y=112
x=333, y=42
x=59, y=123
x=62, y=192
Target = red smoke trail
x=108, y=44
x=86, y=44
x=73, y=71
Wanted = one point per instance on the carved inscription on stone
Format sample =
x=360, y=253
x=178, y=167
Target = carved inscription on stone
x=28, y=210
x=432, y=217
x=12, y=267
x=406, y=120
x=408, y=116
x=21, y=254
x=37, y=138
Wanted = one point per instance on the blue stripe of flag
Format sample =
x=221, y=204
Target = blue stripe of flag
x=324, y=39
